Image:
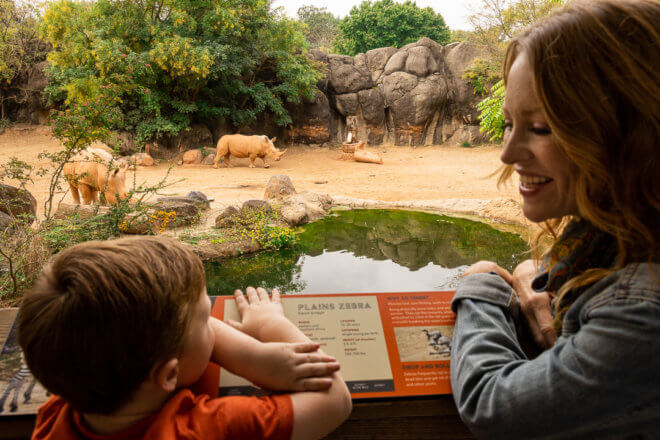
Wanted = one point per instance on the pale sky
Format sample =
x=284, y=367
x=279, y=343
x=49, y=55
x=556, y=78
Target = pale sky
x=455, y=12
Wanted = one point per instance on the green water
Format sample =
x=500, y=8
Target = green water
x=371, y=251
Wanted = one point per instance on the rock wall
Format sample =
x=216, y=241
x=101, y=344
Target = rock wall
x=411, y=96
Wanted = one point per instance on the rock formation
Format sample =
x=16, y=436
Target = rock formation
x=411, y=96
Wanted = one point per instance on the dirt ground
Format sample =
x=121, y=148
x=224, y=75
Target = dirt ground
x=408, y=174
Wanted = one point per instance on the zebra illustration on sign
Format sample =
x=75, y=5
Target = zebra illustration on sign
x=437, y=341
x=15, y=384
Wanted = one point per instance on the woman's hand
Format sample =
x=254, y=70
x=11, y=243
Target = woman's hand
x=488, y=267
x=535, y=306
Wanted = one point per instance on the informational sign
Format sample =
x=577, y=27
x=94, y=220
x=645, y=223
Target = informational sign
x=388, y=344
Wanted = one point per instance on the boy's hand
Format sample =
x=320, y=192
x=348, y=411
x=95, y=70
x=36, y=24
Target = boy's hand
x=294, y=367
x=259, y=313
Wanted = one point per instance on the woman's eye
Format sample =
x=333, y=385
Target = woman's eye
x=541, y=131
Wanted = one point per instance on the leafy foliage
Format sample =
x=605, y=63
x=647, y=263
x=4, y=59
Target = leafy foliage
x=182, y=60
x=482, y=75
x=263, y=227
x=387, y=23
x=60, y=234
x=492, y=119
x=321, y=27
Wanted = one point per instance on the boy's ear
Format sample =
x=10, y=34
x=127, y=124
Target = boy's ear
x=165, y=374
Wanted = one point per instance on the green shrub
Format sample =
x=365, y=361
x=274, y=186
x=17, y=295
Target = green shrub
x=60, y=234
x=491, y=117
x=264, y=228
x=482, y=75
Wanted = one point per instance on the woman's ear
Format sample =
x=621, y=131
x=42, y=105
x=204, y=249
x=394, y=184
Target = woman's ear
x=165, y=374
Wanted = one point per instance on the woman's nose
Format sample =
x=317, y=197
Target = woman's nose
x=515, y=148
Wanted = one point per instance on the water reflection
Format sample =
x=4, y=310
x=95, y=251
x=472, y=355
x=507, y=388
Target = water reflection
x=372, y=251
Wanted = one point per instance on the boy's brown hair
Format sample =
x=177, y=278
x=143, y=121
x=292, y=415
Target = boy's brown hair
x=102, y=314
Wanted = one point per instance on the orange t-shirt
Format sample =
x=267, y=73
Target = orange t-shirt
x=184, y=416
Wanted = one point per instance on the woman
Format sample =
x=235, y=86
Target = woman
x=583, y=134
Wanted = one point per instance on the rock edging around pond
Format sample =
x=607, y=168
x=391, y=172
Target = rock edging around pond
x=503, y=213
x=501, y=210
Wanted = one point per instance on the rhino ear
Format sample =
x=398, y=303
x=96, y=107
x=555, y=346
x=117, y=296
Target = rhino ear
x=274, y=139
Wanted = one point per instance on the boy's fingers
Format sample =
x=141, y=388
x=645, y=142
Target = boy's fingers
x=276, y=295
x=308, y=358
x=312, y=358
x=305, y=347
x=252, y=295
x=241, y=303
x=315, y=384
x=263, y=294
x=318, y=369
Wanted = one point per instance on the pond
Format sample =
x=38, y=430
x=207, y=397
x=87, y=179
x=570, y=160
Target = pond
x=362, y=251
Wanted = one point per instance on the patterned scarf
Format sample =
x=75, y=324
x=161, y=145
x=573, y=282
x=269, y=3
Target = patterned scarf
x=580, y=247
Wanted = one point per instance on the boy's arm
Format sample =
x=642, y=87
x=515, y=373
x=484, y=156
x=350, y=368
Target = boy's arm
x=275, y=366
x=316, y=414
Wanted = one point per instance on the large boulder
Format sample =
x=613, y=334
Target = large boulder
x=420, y=61
x=199, y=198
x=227, y=218
x=347, y=104
x=186, y=211
x=17, y=201
x=459, y=56
x=279, y=186
x=192, y=157
x=305, y=207
x=376, y=59
x=398, y=85
x=253, y=206
x=347, y=78
x=372, y=102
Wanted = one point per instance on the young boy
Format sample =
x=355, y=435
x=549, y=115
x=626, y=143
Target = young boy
x=119, y=330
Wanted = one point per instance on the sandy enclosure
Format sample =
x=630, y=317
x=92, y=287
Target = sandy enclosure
x=408, y=174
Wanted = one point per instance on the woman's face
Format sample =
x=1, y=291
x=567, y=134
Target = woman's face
x=530, y=147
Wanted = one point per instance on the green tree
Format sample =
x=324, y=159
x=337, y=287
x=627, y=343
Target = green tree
x=186, y=60
x=387, y=23
x=19, y=48
x=321, y=27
